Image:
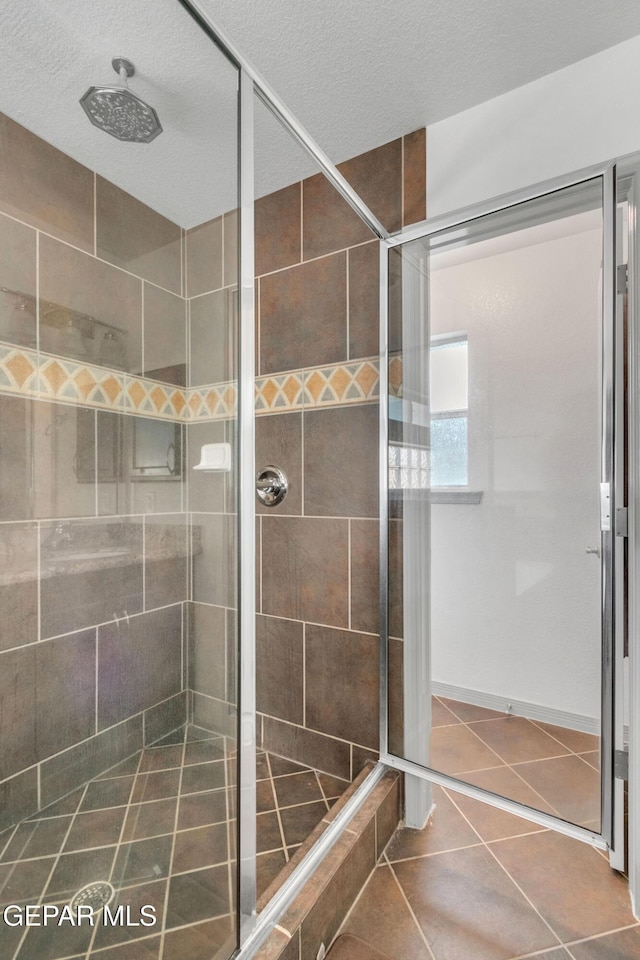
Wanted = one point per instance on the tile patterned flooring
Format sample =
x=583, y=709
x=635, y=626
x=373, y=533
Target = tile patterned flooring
x=551, y=768
x=481, y=884
x=161, y=828
x=477, y=884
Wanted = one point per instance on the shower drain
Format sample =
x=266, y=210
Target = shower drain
x=95, y=895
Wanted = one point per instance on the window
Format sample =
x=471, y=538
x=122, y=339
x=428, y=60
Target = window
x=439, y=462
x=449, y=395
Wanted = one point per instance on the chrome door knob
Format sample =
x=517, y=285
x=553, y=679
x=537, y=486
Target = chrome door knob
x=271, y=486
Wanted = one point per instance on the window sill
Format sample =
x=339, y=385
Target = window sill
x=438, y=495
x=451, y=495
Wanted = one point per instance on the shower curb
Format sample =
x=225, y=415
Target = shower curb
x=316, y=914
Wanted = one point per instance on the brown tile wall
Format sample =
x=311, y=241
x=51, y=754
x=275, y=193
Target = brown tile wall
x=163, y=303
x=318, y=628
x=91, y=657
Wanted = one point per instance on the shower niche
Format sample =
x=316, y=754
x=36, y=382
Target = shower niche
x=132, y=449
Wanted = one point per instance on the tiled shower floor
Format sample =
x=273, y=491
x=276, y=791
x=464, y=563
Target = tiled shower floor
x=161, y=828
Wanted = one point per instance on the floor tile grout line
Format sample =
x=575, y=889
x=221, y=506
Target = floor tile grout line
x=61, y=816
x=479, y=738
x=436, y=853
x=513, y=881
x=44, y=856
x=277, y=810
x=504, y=716
x=118, y=844
x=104, y=951
x=556, y=812
x=165, y=910
x=53, y=868
x=526, y=897
x=11, y=832
x=598, y=936
x=557, y=756
x=537, y=723
x=303, y=803
x=580, y=757
x=323, y=794
x=273, y=788
x=353, y=906
x=502, y=766
x=411, y=911
x=73, y=817
x=541, y=954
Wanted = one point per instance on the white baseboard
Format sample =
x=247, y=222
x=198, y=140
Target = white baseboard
x=519, y=708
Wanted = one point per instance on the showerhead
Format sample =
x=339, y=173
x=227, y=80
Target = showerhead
x=119, y=112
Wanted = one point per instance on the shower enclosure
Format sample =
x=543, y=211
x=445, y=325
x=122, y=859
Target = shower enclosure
x=190, y=297
x=156, y=347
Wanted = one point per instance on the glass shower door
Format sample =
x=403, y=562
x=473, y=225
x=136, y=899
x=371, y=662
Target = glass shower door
x=501, y=492
x=118, y=593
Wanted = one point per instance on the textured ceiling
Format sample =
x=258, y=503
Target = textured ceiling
x=361, y=72
x=356, y=74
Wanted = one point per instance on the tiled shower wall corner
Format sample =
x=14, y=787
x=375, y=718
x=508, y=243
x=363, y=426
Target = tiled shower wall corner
x=85, y=264
x=211, y=254
x=93, y=566
x=318, y=300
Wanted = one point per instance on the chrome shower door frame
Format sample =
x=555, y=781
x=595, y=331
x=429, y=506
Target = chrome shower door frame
x=611, y=460
x=629, y=189
x=254, y=928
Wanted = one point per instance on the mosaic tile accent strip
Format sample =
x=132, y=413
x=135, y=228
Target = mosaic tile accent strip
x=18, y=370
x=153, y=399
x=342, y=384
x=29, y=373
x=74, y=382
x=280, y=394
x=395, y=377
x=217, y=401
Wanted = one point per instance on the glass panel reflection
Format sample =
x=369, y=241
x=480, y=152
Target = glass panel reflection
x=496, y=396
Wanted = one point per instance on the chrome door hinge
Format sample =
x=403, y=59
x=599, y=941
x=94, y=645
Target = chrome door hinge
x=621, y=764
x=622, y=522
x=605, y=507
x=622, y=278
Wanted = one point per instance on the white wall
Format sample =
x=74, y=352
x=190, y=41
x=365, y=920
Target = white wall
x=515, y=596
x=570, y=119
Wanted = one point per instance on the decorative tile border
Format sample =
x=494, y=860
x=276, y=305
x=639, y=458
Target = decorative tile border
x=342, y=383
x=395, y=376
x=29, y=373
x=280, y=394
x=73, y=382
x=217, y=401
x=153, y=399
x=18, y=371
